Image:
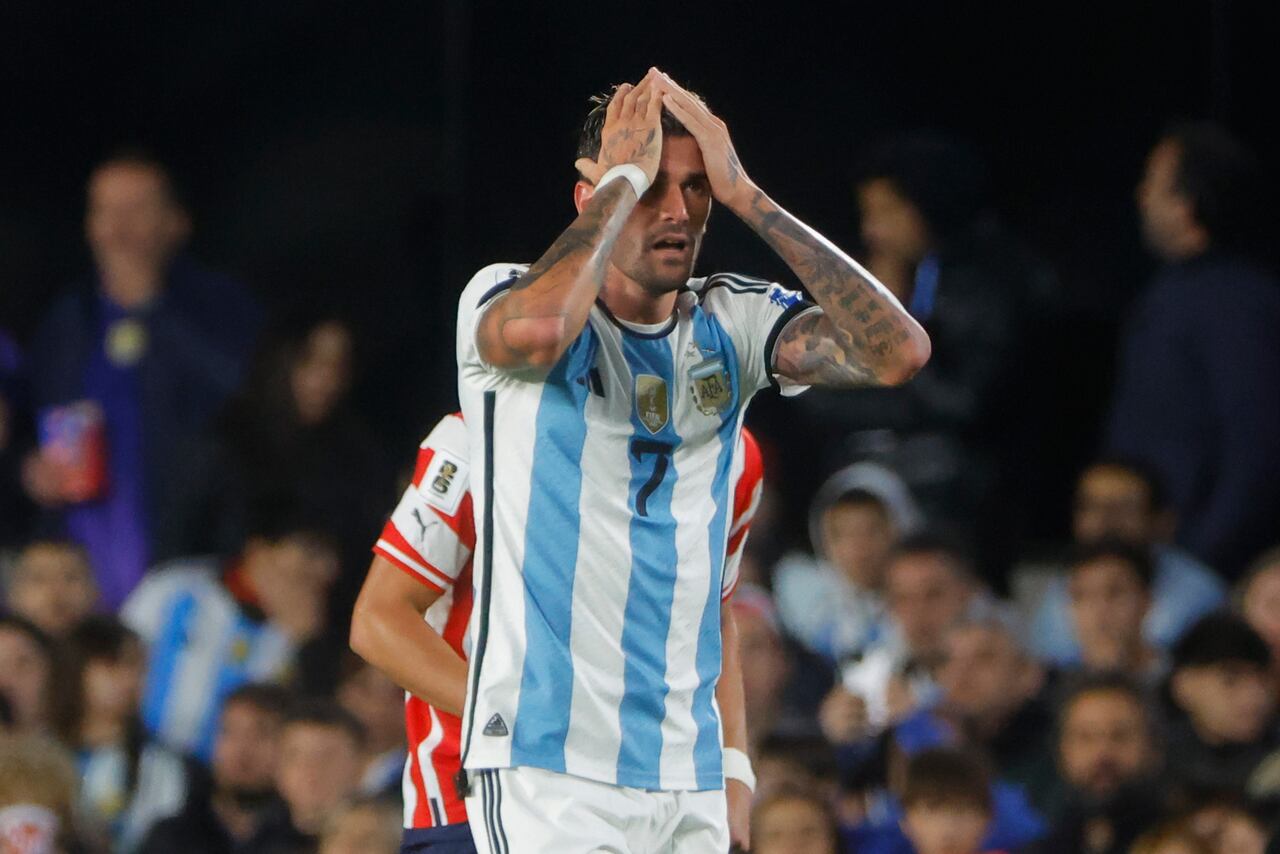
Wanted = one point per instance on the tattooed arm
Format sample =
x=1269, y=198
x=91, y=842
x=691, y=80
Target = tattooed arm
x=863, y=336
x=532, y=325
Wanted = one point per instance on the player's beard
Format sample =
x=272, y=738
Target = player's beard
x=650, y=271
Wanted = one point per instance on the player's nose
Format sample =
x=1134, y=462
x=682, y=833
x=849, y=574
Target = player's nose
x=672, y=206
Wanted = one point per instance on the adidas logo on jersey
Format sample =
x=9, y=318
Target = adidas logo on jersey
x=496, y=726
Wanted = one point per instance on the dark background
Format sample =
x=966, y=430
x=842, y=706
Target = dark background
x=369, y=156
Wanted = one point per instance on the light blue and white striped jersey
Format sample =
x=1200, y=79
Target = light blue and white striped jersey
x=201, y=646
x=603, y=499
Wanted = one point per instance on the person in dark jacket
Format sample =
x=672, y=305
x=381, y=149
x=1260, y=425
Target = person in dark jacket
x=126, y=365
x=1200, y=361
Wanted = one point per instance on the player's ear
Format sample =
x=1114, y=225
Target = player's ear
x=582, y=193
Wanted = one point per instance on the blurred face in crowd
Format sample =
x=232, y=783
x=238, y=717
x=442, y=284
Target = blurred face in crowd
x=246, y=752
x=891, y=225
x=1228, y=702
x=857, y=537
x=1112, y=501
x=1228, y=829
x=984, y=675
x=319, y=771
x=1261, y=604
x=764, y=667
x=24, y=677
x=926, y=593
x=113, y=686
x=322, y=372
x=378, y=703
x=1108, y=605
x=133, y=224
x=52, y=586
x=1105, y=743
x=792, y=825
x=945, y=828
x=364, y=829
x=1168, y=217
x=291, y=578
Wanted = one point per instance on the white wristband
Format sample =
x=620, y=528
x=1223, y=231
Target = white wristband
x=633, y=173
x=738, y=767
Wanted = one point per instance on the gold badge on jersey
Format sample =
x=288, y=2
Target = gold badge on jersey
x=711, y=386
x=651, y=402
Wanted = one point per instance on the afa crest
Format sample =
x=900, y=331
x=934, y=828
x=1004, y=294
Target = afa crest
x=711, y=387
x=652, y=407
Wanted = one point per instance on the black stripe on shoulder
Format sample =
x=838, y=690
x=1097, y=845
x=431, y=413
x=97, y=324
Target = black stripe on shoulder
x=780, y=324
x=735, y=284
x=504, y=285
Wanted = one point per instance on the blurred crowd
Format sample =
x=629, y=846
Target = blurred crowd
x=188, y=497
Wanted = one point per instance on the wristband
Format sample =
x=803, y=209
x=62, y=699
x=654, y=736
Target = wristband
x=633, y=173
x=738, y=767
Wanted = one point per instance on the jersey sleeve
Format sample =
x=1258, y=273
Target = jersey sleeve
x=485, y=286
x=747, y=491
x=754, y=312
x=431, y=533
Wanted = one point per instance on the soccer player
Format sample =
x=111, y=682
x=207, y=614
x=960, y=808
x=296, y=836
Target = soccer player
x=422, y=567
x=603, y=391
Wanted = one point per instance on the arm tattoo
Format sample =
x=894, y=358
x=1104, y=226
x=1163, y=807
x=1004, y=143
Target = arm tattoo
x=863, y=324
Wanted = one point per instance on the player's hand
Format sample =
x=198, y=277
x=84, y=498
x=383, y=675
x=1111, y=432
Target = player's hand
x=843, y=716
x=632, y=130
x=738, y=797
x=729, y=182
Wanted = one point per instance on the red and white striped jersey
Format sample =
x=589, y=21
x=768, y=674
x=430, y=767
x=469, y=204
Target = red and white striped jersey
x=431, y=536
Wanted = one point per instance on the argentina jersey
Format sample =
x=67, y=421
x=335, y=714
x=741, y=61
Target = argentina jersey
x=603, y=500
x=201, y=647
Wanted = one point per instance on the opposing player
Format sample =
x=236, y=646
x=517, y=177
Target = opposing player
x=422, y=566
x=603, y=390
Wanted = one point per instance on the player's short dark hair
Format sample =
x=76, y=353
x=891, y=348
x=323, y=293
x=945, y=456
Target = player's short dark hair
x=1135, y=557
x=325, y=712
x=1157, y=495
x=1221, y=177
x=141, y=157
x=266, y=697
x=593, y=125
x=947, y=775
x=944, y=179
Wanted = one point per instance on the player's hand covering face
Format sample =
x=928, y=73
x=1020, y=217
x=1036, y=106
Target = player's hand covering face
x=724, y=170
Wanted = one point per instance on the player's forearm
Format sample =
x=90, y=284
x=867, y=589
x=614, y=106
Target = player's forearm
x=729, y=694
x=394, y=638
x=870, y=327
x=545, y=310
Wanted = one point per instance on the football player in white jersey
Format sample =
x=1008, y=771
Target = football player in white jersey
x=603, y=390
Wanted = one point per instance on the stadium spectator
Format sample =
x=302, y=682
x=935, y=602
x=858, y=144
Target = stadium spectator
x=946, y=802
x=1110, y=588
x=1122, y=499
x=234, y=815
x=793, y=821
x=951, y=432
x=127, y=781
x=321, y=754
x=289, y=437
x=1200, y=360
x=37, y=796
x=992, y=691
x=786, y=761
x=833, y=603
x=51, y=584
x=1259, y=600
x=368, y=826
x=928, y=587
x=1108, y=755
x=26, y=673
x=155, y=344
x=1225, y=696
x=1227, y=826
x=212, y=627
x=377, y=703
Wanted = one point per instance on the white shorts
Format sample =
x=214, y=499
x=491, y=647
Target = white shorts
x=532, y=811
